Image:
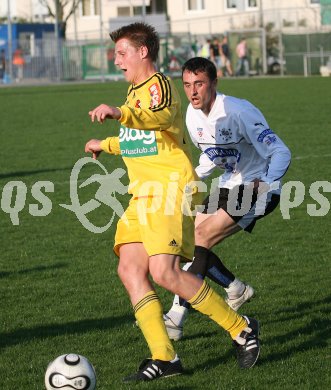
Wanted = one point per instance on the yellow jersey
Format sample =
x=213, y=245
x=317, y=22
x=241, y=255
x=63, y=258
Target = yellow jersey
x=152, y=140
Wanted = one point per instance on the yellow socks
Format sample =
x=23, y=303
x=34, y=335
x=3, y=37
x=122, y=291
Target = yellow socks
x=208, y=302
x=149, y=314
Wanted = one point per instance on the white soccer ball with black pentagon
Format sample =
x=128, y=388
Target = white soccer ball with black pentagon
x=70, y=372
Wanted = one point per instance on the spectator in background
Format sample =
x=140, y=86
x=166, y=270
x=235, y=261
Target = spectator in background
x=226, y=56
x=194, y=48
x=216, y=56
x=205, y=49
x=18, y=62
x=242, y=54
x=2, y=64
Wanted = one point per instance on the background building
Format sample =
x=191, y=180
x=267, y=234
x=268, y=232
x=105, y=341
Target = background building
x=193, y=16
x=283, y=36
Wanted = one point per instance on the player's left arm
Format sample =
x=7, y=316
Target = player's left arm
x=267, y=143
x=93, y=146
x=109, y=145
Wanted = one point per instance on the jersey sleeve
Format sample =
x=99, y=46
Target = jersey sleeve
x=205, y=167
x=254, y=127
x=111, y=145
x=147, y=119
x=162, y=111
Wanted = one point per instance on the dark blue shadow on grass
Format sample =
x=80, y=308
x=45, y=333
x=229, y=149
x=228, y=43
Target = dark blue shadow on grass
x=225, y=353
x=297, y=311
x=23, y=335
x=39, y=268
x=319, y=337
x=315, y=331
x=33, y=172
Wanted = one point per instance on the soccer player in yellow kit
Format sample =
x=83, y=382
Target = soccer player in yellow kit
x=156, y=231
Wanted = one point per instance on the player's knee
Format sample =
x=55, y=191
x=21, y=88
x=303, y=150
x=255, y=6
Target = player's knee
x=127, y=270
x=163, y=278
x=122, y=271
x=159, y=278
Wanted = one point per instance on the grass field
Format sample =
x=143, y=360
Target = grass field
x=59, y=288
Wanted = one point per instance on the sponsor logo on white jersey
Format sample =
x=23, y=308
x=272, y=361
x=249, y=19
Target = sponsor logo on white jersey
x=224, y=158
x=267, y=136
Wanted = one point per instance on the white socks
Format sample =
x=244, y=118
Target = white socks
x=235, y=289
x=177, y=314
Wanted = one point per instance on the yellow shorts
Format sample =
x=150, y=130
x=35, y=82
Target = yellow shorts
x=162, y=226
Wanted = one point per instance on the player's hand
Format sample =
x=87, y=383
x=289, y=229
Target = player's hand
x=93, y=146
x=102, y=112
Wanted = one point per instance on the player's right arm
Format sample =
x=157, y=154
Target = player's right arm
x=205, y=167
x=102, y=112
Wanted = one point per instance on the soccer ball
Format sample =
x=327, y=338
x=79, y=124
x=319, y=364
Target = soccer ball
x=70, y=372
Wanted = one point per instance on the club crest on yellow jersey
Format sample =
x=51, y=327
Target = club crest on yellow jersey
x=155, y=92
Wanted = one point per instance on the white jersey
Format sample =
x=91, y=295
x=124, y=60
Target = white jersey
x=236, y=138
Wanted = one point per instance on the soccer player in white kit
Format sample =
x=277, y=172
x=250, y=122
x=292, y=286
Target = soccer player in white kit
x=233, y=136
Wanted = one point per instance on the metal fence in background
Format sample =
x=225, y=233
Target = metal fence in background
x=306, y=53
x=45, y=60
x=49, y=60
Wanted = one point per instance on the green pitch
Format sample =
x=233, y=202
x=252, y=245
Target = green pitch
x=59, y=288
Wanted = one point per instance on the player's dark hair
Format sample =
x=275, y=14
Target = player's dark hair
x=139, y=34
x=200, y=64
